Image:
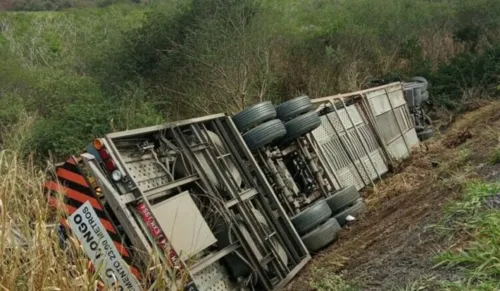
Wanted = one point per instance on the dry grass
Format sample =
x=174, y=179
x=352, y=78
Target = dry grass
x=30, y=255
x=38, y=263
x=440, y=47
x=35, y=262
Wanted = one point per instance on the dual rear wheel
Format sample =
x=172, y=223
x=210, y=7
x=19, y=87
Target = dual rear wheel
x=263, y=124
x=319, y=224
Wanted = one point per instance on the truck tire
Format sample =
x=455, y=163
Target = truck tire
x=311, y=217
x=426, y=134
x=254, y=115
x=321, y=236
x=342, y=198
x=423, y=81
x=264, y=134
x=293, y=108
x=354, y=210
x=301, y=125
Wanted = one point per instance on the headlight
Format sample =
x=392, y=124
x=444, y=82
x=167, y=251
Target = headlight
x=116, y=175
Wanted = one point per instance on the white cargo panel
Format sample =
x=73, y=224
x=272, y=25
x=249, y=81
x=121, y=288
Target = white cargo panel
x=349, y=148
x=393, y=120
x=213, y=278
x=181, y=220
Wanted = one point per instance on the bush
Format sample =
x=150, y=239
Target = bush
x=468, y=72
x=142, y=64
x=11, y=106
x=89, y=116
x=189, y=58
x=75, y=126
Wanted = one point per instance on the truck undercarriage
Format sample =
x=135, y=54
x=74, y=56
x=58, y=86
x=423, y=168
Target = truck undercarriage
x=232, y=203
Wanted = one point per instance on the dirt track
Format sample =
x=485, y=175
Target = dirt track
x=392, y=244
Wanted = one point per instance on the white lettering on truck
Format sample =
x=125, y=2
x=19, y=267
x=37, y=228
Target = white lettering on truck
x=101, y=250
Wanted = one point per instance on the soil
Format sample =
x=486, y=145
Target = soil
x=393, y=243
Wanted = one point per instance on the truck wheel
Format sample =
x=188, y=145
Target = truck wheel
x=426, y=134
x=254, y=115
x=421, y=80
x=301, y=125
x=353, y=211
x=342, y=198
x=264, y=134
x=311, y=217
x=322, y=235
x=293, y=108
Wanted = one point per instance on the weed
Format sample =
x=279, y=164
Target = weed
x=495, y=156
x=31, y=257
x=479, y=258
x=463, y=286
x=323, y=280
x=40, y=263
x=474, y=257
x=422, y=284
x=464, y=155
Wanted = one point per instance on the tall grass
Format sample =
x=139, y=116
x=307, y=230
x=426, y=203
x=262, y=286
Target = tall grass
x=31, y=256
x=85, y=72
x=35, y=261
x=471, y=262
x=475, y=221
x=76, y=74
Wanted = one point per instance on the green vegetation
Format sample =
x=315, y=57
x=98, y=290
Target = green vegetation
x=495, y=156
x=323, y=280
x=477, y=218
x=473, y=224
x=71, y=70
x=93, y=67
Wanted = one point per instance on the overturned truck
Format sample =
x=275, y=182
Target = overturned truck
x=229, y=203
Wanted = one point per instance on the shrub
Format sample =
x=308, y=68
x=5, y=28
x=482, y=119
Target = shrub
x=453, y=81
x=76, y=125
x=142, y=64
x=88, y=116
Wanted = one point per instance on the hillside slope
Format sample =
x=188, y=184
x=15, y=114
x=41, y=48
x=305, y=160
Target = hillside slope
x=85, y=72
x=394, y=243
x=71, y=74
